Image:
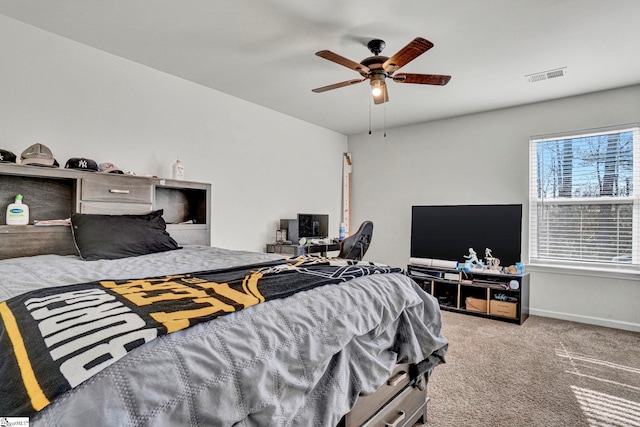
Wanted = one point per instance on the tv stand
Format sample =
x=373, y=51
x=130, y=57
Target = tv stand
x=485, y=293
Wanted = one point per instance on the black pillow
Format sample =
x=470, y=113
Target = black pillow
x=120, y=236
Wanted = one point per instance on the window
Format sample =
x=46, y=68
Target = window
x=585, y=198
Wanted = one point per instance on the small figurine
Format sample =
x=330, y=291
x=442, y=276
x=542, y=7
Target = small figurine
x=473, y=257
x=493, y=263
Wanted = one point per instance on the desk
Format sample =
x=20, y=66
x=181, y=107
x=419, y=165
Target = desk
x=298, y=250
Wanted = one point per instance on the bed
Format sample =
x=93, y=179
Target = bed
x=300, y=360
x=327, y=355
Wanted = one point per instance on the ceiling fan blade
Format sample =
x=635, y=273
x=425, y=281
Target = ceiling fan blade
x=341, y=60
x=337, y=85
x=383, y=97
x=415, y=48
x=422, y=79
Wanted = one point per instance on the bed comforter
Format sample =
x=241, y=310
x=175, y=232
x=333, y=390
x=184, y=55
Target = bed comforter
x=297, y=361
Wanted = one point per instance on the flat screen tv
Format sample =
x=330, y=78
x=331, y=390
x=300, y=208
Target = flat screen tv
x=448, y=231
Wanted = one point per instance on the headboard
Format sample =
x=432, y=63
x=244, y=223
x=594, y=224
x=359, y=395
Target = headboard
x=54, y=193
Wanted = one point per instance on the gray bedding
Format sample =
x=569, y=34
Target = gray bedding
x=297, y=361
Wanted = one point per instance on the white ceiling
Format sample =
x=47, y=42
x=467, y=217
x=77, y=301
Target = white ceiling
x=263, y=50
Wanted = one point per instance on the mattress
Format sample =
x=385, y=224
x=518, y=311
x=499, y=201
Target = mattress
x=302, y=360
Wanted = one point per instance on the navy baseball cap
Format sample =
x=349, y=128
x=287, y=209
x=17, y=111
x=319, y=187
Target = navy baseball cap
x=81, y=163
x=7, y=156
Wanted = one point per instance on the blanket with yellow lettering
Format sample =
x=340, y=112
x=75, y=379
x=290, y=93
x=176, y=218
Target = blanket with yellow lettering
x=53, y=339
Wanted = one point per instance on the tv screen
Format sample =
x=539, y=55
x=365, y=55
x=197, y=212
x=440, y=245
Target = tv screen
x=447, y=232
x=313, y=226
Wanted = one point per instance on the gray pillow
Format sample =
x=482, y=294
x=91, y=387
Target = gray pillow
x=120, y=236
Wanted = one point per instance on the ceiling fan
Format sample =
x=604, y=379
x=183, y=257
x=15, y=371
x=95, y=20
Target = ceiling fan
x=378, y=68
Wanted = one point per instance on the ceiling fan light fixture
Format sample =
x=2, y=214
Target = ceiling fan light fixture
x=377, y=81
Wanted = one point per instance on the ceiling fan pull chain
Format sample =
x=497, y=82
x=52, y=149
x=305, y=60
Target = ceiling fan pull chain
x=369, y=114
x=384, y=120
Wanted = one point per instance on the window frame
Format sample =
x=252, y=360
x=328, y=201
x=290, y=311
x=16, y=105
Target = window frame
x=536, y=200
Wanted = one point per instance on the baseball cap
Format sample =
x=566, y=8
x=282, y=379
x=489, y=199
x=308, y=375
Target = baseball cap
x=37, y=154
x=54, y=165
x=82, y=163
x=7, y=156
x=109, y=168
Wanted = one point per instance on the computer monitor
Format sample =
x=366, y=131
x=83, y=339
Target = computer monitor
x=313, y=226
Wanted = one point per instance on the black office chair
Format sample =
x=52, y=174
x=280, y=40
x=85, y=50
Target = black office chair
x=356, y=245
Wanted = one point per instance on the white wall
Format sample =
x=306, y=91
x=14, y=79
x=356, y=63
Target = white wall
x=483, y=159
x=82, y=102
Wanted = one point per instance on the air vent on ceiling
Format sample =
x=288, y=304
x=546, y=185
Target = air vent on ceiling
x=546, y=75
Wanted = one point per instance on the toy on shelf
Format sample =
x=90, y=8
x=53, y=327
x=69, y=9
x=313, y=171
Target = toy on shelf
x=473, y=258
x=492, y=262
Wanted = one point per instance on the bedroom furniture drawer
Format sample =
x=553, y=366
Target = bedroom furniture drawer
x=403, y=411
x=117, y=189
x=367, y=405
x=108, y=208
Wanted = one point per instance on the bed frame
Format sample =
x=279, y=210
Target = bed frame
x=400, y=402
x=57, y=193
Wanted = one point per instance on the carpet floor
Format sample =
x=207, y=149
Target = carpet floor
x=546, y=372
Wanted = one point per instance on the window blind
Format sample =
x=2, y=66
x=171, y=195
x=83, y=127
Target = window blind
x=585, y=198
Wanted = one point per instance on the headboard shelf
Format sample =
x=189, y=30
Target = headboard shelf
x=47, y=198
x=182, y=204
x=54, y=193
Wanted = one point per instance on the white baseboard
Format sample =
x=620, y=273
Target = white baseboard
x=617, y=324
